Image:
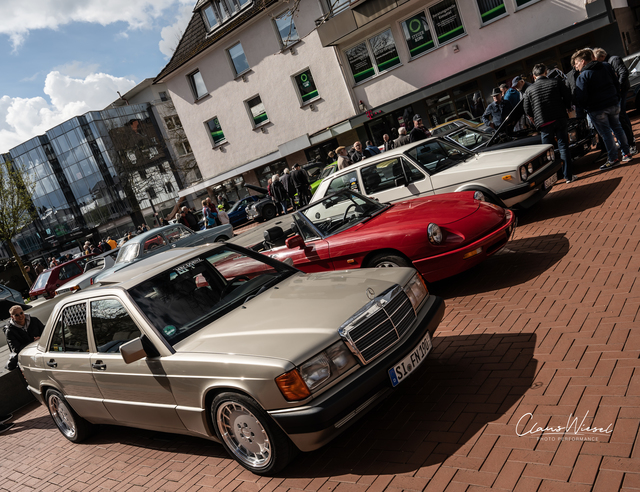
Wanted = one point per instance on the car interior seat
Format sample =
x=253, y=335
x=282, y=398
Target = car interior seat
x=274, y=237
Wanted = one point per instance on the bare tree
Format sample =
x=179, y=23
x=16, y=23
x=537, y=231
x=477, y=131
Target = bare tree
x=16, y=208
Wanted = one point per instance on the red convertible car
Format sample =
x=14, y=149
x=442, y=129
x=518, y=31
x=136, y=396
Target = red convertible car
x=440, y=235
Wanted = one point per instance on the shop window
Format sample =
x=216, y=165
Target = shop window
x=238, y=59
x=215, y=130
x=417, y=35
x=523, y=3
x=447, y=22
x=491, y=9
x=286, y=29
x=257, y=111
x=376, y=55
x=197, y=84
x=306, y=86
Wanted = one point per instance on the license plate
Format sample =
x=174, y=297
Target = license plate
x=548, y=183
x=406, y=366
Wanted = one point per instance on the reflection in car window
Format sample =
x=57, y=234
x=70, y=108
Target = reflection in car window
x=383, y=175
x=344, y=182
x=183, y=299
x=68, y=271
x=129, y=252
x=469, y=139
x=436, y=156
x=41, y=281
x=341, y=211
x=175, y=234
x=70, y=333
x=328, y=171
x=112, y=325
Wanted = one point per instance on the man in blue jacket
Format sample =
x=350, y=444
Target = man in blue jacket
x=598, y=91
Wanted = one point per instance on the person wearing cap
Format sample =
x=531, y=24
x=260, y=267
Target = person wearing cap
x=343, y=158
x=496, y=111
x=514, y=95
x=419, y=132
x=21, y=330
x=222, y=215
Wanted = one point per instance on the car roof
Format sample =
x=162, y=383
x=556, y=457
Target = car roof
x=148, y=267
x=91, y=255
x=153, y=232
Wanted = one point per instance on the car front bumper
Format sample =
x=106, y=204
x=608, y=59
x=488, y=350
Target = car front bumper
x=531, y=191
x=445, y=265
x=313, y=425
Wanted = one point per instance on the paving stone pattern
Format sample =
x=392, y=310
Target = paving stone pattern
x=548, y=327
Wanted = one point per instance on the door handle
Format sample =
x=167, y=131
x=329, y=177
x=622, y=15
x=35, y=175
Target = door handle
x=52, y=363
x=99, y=365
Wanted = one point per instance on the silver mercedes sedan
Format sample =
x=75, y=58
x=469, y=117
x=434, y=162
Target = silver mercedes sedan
x=220, y=342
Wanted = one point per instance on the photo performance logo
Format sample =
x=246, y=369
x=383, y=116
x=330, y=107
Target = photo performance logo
x=575, y=430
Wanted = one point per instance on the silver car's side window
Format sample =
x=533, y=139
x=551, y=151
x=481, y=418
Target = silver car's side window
x=112, y=325
x=70, y=333
x=346, y=181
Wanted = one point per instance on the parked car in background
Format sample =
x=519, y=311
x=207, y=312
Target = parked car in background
x=313, y=170
x=633, y=94
x=9, y=294
x=52, y=278
x=326, y=172
x=162, y=239
x=457, y=124
x=439, y=236
x=91, y=269
x=238, y=213
x=263, y=208
x=217, y=342
x=516, y=177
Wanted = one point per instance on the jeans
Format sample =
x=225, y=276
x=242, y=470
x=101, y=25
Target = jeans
x=607, y=121
x=558, y=129
x=625, y=122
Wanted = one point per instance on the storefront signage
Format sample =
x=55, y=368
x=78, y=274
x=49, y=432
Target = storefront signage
x=446, y=20
x=417, y=34
x=360, y=62
x=306, y=86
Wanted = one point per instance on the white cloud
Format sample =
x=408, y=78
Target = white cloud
x=19, y=17
x=24, y=118
x=77, y=69
x=171, y=34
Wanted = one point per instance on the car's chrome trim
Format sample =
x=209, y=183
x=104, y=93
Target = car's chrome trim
x=358, y=410
x=138, y=403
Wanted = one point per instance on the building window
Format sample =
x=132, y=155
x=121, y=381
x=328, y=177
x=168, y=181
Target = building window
x=377, y=54
x=163, y=96
x=446, y=21
x=197, y=84
x=523, y=3
x=238, y=59
x=491, y=9
x=161, y=169
x=173, y=122
x=153, y=152
x=417, y=35
x=152, y=193
x=169, y=187
x=142, y=173
x=286, y=29
x=306, y=86
x=182, y=148
x=218, y=11
x=132, y=157
x=258, y=113
x=217, y=136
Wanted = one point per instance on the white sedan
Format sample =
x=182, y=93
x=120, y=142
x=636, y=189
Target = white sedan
x=516, y=177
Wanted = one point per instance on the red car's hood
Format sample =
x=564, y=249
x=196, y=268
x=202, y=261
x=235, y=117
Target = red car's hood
x=440, y=209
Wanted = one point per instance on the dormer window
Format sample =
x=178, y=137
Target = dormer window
x=217, y=12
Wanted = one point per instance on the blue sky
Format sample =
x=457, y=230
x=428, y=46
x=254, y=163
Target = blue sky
x=65, y=57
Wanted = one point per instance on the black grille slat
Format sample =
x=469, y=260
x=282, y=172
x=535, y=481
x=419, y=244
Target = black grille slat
x=381, y=330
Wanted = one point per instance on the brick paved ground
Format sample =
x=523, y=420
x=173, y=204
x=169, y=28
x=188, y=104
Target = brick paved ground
x=548, y=327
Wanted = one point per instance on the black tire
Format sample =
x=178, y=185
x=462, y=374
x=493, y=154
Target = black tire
x=256, y=442
x=72, y=426
x=388, y=260
x=221, y=239
x=268, y=212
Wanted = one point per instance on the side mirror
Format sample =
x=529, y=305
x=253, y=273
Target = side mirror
x=295, y=242
x=132, y=351
x=401, y=182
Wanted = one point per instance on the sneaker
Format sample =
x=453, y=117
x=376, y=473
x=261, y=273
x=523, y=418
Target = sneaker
x=5, y=427
x=633, y=150
x=5, y=418
x=626, y=158
x=609, y=165
x=572, y=179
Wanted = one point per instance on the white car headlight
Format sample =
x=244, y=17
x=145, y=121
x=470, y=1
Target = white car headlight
x=530, y=168
x=416, y=291
x=327, y=365
x=551, y=155
x=434, y=233
x=523, y=173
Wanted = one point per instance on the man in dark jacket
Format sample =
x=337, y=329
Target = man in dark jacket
x=190, y=219
x=497, y=110
x=21, y=330
x=285, y=179
x=419, y=131
x=301, y=183
x=598, y=90
x=623, y=79
x=547, y=101
x=357, y=154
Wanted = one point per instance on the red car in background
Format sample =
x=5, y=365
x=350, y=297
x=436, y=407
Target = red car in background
x=440, y=235
x=52, y=278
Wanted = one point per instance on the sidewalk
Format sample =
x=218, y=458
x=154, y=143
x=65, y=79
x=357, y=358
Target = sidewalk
x=542, y=333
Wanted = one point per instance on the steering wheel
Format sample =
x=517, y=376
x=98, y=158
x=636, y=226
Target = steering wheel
x=228, y=287
x=344, y=217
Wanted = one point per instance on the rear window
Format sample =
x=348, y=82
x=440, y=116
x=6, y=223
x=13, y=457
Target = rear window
x=41, y=281
x=69, y=271
x=127, y=253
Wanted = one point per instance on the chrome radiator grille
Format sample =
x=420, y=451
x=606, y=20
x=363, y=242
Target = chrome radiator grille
x=380, y=325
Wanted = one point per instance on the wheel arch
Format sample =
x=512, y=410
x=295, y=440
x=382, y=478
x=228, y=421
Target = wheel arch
x=487, y=192
x=214, y=391
x=387, y=251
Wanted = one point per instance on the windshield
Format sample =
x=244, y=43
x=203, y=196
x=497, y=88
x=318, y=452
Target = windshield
x=190, y=296
x=632, y=63
x=435, y=156
x=469, y=138
x=127, y=253
x=41, y=281
x=328, y=171
x=340, y=211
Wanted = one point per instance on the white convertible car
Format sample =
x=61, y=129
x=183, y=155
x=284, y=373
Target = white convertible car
x=511, y=178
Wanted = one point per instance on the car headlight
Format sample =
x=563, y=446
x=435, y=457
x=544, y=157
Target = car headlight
x=434, y=233
x=478, y=195
x=416, y=291
x=530, y=168
x=573, y=136
x=523, y=173
x=318, y=371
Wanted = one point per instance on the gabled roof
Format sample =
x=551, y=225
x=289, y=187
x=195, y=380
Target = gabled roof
x=196, y=39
